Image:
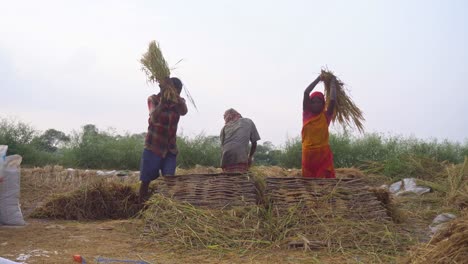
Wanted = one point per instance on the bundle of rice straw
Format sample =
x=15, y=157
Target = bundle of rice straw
x=157, y=70
x=346, y=111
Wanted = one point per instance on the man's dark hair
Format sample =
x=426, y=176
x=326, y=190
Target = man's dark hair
x=177, y=84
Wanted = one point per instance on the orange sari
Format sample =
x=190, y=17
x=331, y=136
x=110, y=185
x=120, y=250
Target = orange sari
x=317, y=157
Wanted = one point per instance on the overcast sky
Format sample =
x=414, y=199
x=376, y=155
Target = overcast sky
x=64, y=64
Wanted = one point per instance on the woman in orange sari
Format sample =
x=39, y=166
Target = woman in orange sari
x=317, y=157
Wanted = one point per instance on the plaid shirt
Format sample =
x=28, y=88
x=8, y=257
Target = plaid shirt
x=162, y=125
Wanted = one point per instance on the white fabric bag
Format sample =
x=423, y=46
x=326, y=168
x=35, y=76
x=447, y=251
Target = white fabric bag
x=10, y=212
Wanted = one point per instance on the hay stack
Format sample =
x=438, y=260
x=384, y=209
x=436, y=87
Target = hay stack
x=101, y=200
x=157, y=70
x=448, y=246
x=346, y=111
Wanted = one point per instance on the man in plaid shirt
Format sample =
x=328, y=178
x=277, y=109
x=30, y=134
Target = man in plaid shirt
x=160, y=144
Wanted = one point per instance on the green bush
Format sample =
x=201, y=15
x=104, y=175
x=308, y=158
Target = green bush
x=291, y=154
x=202, y=150
x=94, y=149
x=20, y=138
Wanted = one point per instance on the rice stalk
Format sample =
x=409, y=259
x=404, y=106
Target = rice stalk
x=157, y=70
x=346, y=111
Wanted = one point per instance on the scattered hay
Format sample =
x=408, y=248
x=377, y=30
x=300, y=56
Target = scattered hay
x=100, y=200
x=198, y=169
x=346, y=111
x=448, y=246
x=349, y=173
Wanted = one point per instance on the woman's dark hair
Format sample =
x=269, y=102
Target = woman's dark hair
x=177, y=84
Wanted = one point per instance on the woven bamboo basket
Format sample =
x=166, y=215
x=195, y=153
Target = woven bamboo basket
x=347, y=198
x=218, y=190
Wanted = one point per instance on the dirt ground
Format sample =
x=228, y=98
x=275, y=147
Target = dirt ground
x=51, y=241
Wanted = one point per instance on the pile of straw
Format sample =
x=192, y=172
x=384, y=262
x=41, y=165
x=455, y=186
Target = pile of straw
x=101, y=200
x=320, y=228
x=332, y=217
x=346, y=111
x=157, y=70
x=448, y=246
x=182, y=224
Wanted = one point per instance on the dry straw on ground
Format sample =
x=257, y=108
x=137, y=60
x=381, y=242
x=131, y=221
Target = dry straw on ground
x=346, y=111
x=181, y=224
x=450, y=245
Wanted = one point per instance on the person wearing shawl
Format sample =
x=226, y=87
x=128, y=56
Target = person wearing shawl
x=235, y=137
x=317, y=157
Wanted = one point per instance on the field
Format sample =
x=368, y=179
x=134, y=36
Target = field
x=93, y=213
x=49, y=240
